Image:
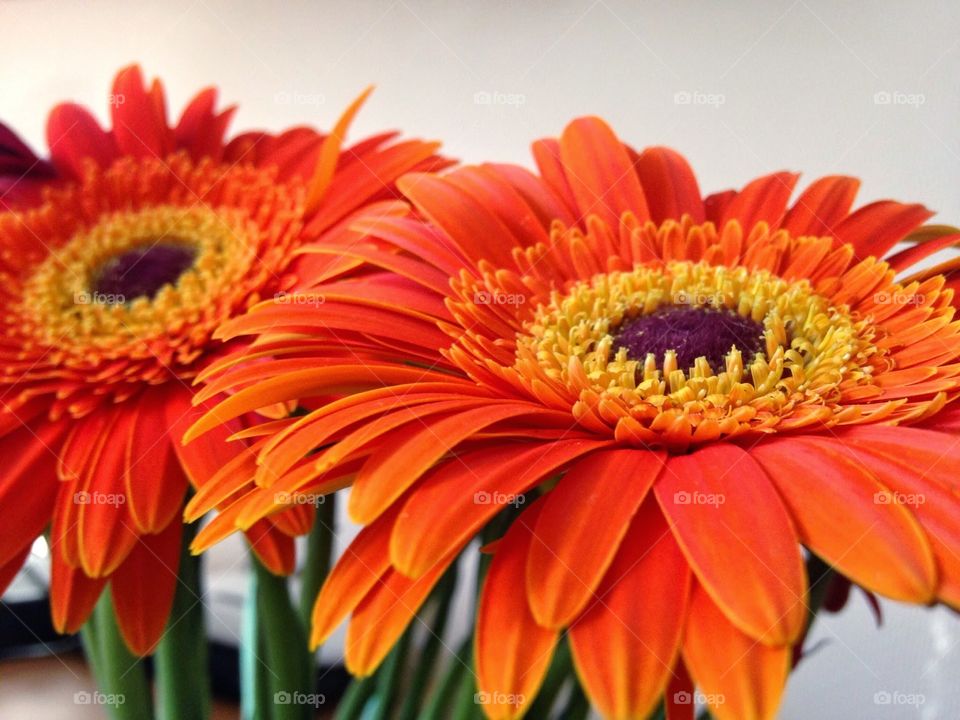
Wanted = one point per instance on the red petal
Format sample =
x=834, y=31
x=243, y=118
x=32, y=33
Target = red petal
x=832, y=501
x=875, y=228
x=739, y=539
x=513, y=652
x=139, y=124
x=73, y=136
x=600, y=172
x=584, y=519
x=821, y=206
x=669, y=185
x=143, y=588
x=72, y=593
x=273, y=548
x=740, y=678
x=625, y=645
x=762, y=200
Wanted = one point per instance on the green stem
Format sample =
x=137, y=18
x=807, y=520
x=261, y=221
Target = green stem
x=388, y=679
x=182, y=670
x=121, y=676
x=443, y=697
x=287, y=654
x=319, y=556
x=431, y=650
x=561, y=668
x=356, y=697
x=577, y=706
x=819, y=574
x=255, y=700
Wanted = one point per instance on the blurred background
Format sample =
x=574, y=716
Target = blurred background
x=867, y=89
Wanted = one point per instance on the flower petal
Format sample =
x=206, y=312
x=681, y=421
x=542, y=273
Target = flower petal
x=583, y=521
x=626, y=643
x=738, y=538
x=513, y=652
x=741, y=678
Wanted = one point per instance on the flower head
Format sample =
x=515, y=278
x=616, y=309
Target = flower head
x=674, y=393
x=116, y=275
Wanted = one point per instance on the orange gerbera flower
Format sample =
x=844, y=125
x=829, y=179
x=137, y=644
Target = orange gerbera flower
x=691, y=388
x=149, y=237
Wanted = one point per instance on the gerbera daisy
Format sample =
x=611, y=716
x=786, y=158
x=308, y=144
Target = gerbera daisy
x=145, y=239
x=679, y=392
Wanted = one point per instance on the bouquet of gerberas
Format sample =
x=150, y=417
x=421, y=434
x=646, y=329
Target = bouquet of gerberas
x=676, y=424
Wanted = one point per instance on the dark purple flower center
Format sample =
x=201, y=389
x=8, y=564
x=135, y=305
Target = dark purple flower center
x=143, y=271
x=691, y=332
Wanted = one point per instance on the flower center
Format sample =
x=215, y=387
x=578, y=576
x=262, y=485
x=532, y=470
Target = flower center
x=143, y=271
x=690, y=332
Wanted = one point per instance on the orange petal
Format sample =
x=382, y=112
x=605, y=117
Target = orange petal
x=154, y=482
x=739, y=539
x=382, y=616
x=669, y=185
x=741, y=678
x=625, y=645
x=761, y=200
x=401, y=460
x=273, y=548
x=454, y=501
x=875, y=228
x=600, y=172
x=513, y=652
x=584, y=519
x=72, y=593
x=362, y=564
x=143, y=588
x=74, y=136
x=832, y=501
x=821, y=206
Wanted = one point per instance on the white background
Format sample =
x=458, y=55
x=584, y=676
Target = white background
x=772, y=85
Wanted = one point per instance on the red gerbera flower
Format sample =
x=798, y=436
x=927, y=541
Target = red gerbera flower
x=114, y=282
x=691, y=388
